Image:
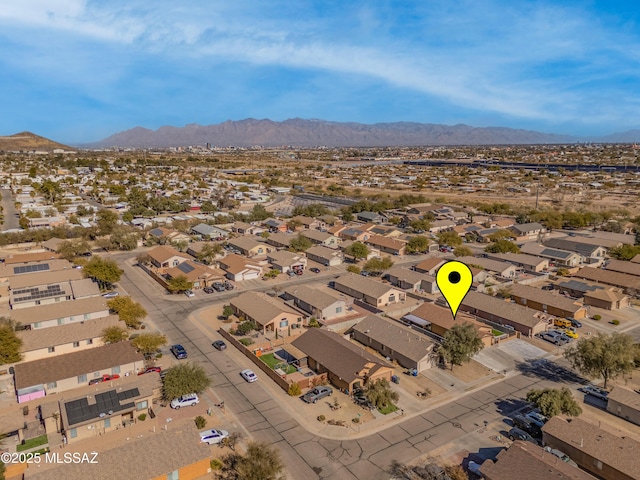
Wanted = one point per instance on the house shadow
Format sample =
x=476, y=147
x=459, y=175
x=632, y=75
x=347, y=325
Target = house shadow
x=548, y=370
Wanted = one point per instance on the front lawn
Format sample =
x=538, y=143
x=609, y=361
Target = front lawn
x=32, y=443
x=390, y=408
x=273, y=362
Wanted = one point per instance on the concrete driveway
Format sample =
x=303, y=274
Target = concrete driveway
x=506, y=355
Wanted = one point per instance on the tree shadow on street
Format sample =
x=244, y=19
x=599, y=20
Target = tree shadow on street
x=506, y=406
x=548, y=370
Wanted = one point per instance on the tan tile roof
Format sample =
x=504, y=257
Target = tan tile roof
x=323, y=252
x=406, y=275
x=335, y=353
x=312, y=296
x=245, y=243
x=44, y=278
x=518, y=258
x=621, y=453
x=609, y=278
x=73, y=364
x=52, y=311
x=501, y=309
x=605, y=294
x=30, y=257
x=546, y=298
x=626, y=397
x=316, y=235
x=397, y=337
x=281, y=238
x=442, y=317
x=153, y=456
x=283, y=257
x=386, y=242
x=163, y=253
x=623, y=267
x=199, y=271
x=7, y=270
x=429, y=264
x=260, y=307
x=84, y=288
x=364, y=285
x=64, y=334
x=528, y=461
x=234, y=263
x=487, y=264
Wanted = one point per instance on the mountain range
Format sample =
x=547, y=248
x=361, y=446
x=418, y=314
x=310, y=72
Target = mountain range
x=299, y=132
x=29, y=142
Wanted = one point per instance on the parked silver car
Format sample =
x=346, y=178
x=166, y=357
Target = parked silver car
x=312, y=396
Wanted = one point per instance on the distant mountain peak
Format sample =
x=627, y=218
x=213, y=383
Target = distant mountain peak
x=299, y=132
x=29, y=142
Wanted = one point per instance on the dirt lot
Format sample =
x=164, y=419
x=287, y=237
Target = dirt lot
x=470, y=371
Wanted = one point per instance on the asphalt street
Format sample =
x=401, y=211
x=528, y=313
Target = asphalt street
x=306, y=455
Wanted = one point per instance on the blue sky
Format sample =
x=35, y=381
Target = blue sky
x=79, y=71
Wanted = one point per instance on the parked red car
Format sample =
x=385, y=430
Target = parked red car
x=149, y=370
x=104, y=378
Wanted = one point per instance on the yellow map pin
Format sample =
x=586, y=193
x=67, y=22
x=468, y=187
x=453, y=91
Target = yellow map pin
x=454, y=280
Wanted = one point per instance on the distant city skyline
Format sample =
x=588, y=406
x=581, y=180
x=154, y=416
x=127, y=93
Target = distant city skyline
x=78, y=71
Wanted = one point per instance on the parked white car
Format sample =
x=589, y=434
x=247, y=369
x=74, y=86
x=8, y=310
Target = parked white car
x=189, y=400
x=213, y=436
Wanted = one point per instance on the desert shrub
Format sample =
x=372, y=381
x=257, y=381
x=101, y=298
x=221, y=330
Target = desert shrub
x=356, y=420
x=216, y=464
x=142, y=417
x=597, y=317
x=246, y=341
x=615, y=322
x=294, y=389
x=201, y=422
x=321, y=418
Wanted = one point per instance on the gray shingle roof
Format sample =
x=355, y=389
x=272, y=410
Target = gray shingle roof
x=495, y=306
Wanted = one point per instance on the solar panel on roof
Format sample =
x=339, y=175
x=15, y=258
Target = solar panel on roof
x=186, y=268
x=80, y=410
x=41, y=267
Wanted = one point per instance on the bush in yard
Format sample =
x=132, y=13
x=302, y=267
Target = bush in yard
x=294, y=389
x=615, y=322
x=246, y=327
x=597, y=317
x=246, y=341
x=142, y=417
x=216, y=464
x=201, y=422
x=356, y=420
x=321, y=418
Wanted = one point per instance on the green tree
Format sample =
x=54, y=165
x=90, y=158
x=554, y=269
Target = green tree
x=69, y=249
x=460, y=344
x=129, y=311
x=127, y=217
x=149, y=343
x=184, y=378
x=606, y=356
x=259, y=213
x=357, y=250
x=260, y=462
x=114, y=334
x=105, y=271
x=625, y=252
x=209, y=251
x=552, y=402
x=462, y=251
x=300, y=244
x=107, y=221
x=450, y=238
x=418, y=243
x=502, y=246
x=179, y=284
x=124, y=239
x=10, y=344
x=50, y=189
x=378, y=265
x=353, y=269
x=227, y=311
x=502, y=234
x=380, y=393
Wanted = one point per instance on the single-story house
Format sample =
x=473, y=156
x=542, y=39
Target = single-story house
x=73, y=337
x=275, y=225
x=607, y=298
x=280, y=239
x=168, y=235
x=624, y=403
x=396, y=342
x=239, y=268
x=559, y=257
x=209, y=231
x=503, y=269
x=250, y=246
x=527, y=230
x=324, y=255
x=316, y=303
x=529, y=263
x=526, y=460
x=243, y=228
x=599, y=452
x=387, y=245
x=592, y=254
x=310, y=223
x=439, y=321
x=347, y=365
x=199, y=275
x=320, y=238
x=368, y=290
x=630, y=283
x=442, y=225
x=285, y=261
x=173, y=453
x=164, y=257
x=546, y=302
x=621, y=266
x=429, y=266
x=355, y=234
x=411, y=280
x=371, y=217
x=42, y=377
x=269, y=313
x=523, y=319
